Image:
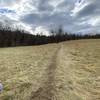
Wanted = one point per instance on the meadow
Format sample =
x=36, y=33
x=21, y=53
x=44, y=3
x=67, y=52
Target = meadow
x=60, y=71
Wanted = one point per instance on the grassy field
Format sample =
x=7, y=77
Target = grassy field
x=64, y=71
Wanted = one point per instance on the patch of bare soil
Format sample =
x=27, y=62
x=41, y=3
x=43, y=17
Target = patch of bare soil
x=48, y=90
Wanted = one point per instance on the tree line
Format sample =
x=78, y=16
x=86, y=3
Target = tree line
x=11, y=38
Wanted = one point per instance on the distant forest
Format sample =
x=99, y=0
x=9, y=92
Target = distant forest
x=11, y=38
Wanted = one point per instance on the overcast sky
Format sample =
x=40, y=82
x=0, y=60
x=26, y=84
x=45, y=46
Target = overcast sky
x=43, y=15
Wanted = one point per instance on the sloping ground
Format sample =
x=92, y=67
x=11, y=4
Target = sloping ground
x=64, y=71
x=79, y=71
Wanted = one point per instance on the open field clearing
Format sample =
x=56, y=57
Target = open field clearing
x=64, y=71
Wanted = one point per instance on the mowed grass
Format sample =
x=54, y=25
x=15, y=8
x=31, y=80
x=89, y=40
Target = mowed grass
x=77, y=73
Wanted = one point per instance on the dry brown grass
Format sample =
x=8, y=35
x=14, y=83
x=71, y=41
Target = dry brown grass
x=22, y=70
x=79, y=70
x=65, y=71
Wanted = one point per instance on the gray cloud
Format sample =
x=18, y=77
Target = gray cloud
x=73, y=15
x=43, y=5
x=92, y=8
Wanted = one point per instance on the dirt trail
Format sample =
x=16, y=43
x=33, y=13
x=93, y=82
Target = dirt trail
x=48, y=90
